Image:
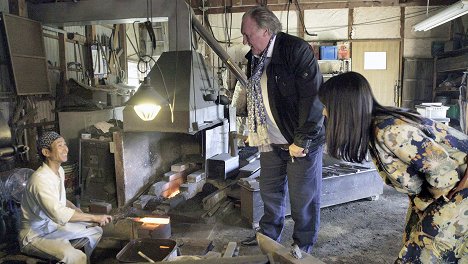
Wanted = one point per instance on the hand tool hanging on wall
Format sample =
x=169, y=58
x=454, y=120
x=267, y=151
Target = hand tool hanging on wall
x=149, y=28
x=149, y=22
x=115, y=51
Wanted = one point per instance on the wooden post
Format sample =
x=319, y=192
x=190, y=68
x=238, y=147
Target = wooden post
x=18, y=7
x=123, y=47
x=350, y=23
x=350, y=32
x=62, y=64
x=402, y=49
x=90, y=38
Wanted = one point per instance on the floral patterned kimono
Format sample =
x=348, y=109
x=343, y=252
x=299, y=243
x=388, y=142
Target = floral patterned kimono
x=426, y=160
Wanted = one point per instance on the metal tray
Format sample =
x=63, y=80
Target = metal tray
x=155, y=249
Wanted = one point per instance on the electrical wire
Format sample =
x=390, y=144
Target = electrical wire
x=373, y=22
x=211, y=30
x=301, y=18
x=146, y=59
x=228, y=31
x=136, y=39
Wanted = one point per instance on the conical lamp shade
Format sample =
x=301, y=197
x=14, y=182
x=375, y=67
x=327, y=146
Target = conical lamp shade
x=146, y=101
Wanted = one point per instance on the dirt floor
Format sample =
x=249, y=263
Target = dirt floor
x=362, y=231
x=358, y=232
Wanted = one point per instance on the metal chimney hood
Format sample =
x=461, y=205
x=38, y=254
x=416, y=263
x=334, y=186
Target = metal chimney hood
x=187, y=80
x=185, y=73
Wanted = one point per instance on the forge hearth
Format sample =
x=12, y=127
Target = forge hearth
x=154, y=231
x=183, y=182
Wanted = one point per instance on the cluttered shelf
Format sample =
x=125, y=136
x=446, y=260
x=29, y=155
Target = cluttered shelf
x=447, y=90
x=449, y=69
x=452, y=61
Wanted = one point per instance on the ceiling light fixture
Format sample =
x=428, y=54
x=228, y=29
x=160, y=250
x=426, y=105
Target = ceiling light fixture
x=451, y=12
x=146, y=101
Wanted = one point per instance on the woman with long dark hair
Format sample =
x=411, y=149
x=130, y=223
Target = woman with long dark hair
x=415, y=155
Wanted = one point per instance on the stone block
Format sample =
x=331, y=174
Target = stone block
x=172, y=175
x=196, y=176
x=189, y=188
x=179, y=167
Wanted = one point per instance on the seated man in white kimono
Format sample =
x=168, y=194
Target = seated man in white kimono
x=49, y=221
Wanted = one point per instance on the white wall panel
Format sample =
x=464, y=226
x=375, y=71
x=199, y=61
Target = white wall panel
x=414, y=15
x=329, y=24
x=291, y=25
x=418, y=44
x=102, y=30
x=376, y=23
x=52, y=50
x=218, y=25
x=4, y=7
x=76, y=29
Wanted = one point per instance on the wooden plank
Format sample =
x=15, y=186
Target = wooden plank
x=90, y=38
x=119, y=168
x=350, y=23
x=211, y=200
x=230, y=250
x=282, y=254
x=453, y=63
x=217, y=7
x=123, y=48
x=255, y=259
x=62, y=64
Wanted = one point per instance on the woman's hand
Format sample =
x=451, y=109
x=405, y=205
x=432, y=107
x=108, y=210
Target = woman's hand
x=462, y=184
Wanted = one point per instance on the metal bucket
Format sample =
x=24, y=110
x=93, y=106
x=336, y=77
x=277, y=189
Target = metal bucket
x=155, y=249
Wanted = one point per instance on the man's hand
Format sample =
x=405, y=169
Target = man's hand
x=102, y=220
x=296, y=151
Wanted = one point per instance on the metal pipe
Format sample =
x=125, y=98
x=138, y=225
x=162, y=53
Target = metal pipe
x=209, y=39
x=7, y=151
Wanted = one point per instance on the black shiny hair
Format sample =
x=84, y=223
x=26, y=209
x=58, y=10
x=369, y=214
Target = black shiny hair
x=351, y=108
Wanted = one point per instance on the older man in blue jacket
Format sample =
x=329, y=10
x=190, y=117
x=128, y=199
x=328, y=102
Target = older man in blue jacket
x=286, y=123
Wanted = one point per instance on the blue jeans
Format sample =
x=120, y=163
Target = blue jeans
x=303, y=179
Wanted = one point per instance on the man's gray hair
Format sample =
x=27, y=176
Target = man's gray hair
x=265, y=19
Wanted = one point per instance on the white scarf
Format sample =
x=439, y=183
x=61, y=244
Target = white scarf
x=258, y=129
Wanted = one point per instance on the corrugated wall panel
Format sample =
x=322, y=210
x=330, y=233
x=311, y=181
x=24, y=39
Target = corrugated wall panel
x=45, y=111
x=102, y=30
x=52, y=50
x=76, y=29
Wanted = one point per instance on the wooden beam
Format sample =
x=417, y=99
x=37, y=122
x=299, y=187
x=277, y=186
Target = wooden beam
x=90, y=32
x=62, y=64
x=217, y=7
x=402, y=49
x=405, y=3
x=117, y=138
x=18, y=7
x=350, y=22
x=123, y=47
